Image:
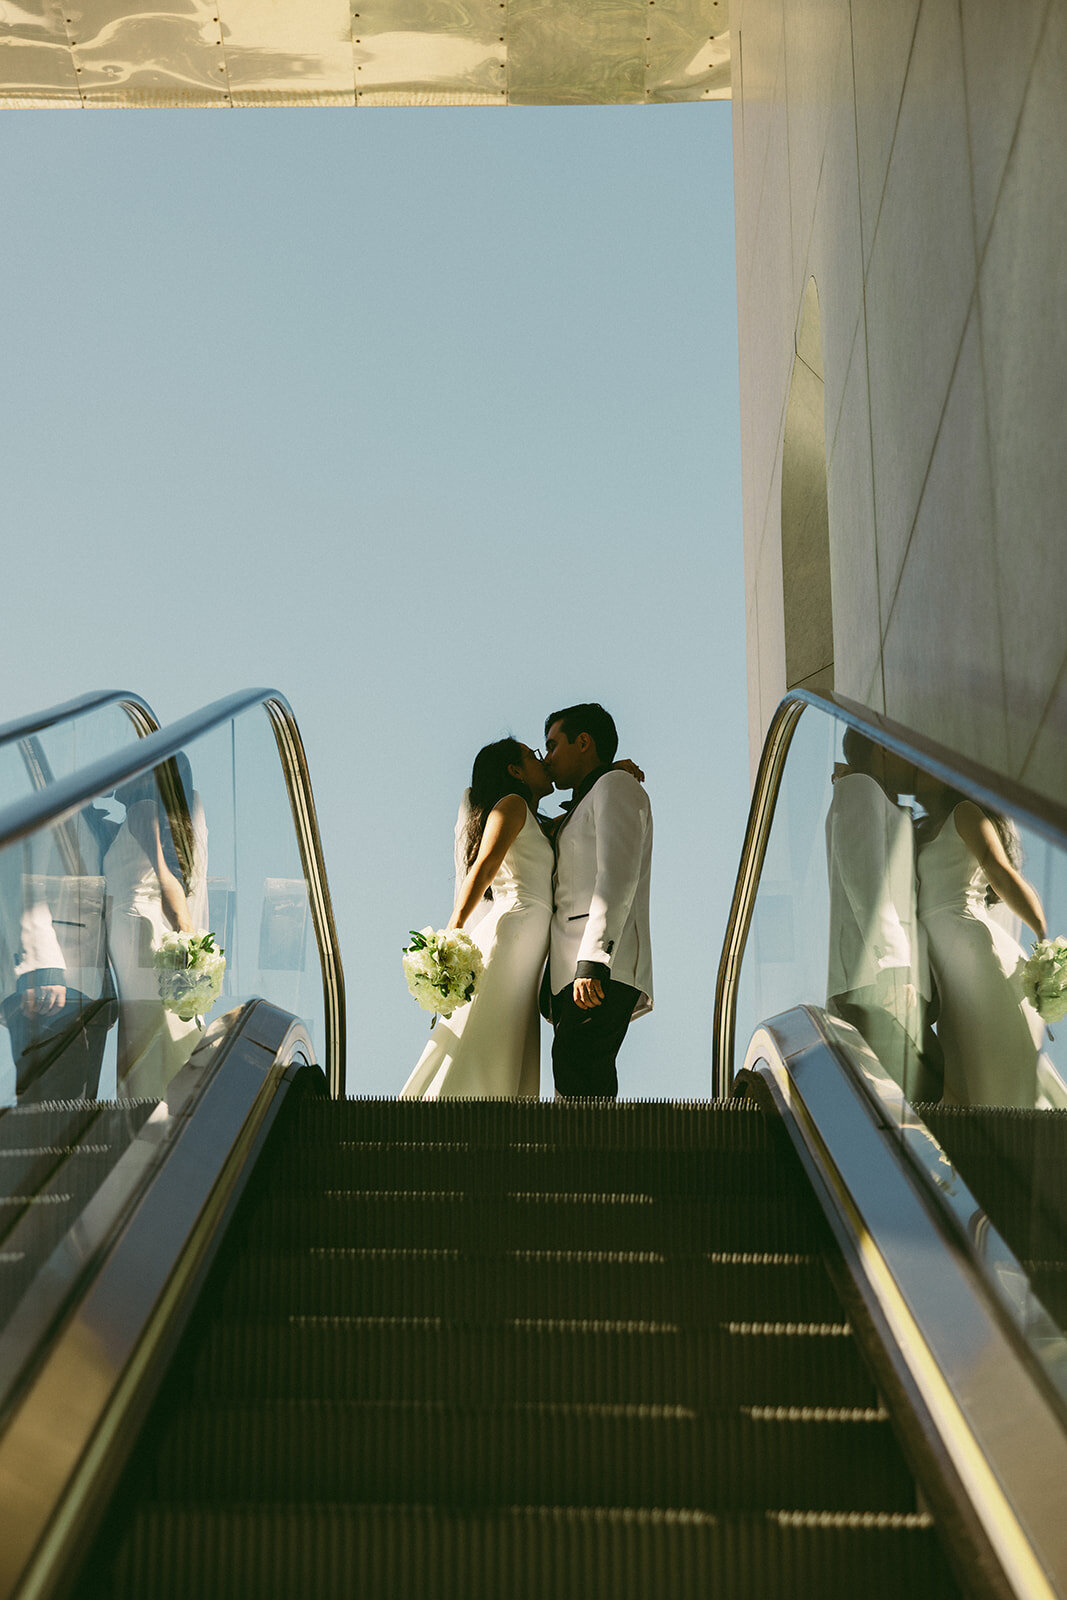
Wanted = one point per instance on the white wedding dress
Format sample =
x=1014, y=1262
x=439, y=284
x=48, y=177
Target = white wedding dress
x=990, y=1035
x=491, y=1048
x=153, y=1044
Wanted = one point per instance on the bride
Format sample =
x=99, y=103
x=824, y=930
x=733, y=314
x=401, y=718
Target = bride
x=969, y=859
x=491, y=1048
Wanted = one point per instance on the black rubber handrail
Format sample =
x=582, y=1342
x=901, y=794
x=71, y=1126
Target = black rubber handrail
x=135, y=706
x=1046, y=817
x=67, y=795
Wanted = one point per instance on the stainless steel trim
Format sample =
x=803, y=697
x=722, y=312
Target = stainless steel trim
x=68, y=795
x=760, y=816
x=979, y=783
x=977, y=1399
x=69, y=1434
x=302, y=801
x=139, y=712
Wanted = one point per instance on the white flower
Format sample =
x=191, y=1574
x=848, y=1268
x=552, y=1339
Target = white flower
x=442, y=969
x=1044, y=979
x=190, y=968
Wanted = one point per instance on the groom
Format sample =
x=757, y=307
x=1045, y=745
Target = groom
x=600, y=959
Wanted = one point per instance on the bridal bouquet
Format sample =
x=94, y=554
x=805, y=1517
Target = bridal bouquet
x=1044, y=979
x=190, y=968
x=442, y=969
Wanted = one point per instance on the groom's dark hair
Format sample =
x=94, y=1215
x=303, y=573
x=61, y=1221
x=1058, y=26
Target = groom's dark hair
x=593, y=720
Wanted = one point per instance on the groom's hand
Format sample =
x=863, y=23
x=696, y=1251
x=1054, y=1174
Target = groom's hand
x=588, y=993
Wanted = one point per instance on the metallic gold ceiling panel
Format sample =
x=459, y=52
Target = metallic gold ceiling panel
x=279, y=52
x=576, y=52
x=436, y=97
x=453, y=48
x=688, y=49
x=35, y=60
x=169, y=56
x=362, y=52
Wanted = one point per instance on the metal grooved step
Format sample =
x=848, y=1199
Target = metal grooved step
x=519, y=1350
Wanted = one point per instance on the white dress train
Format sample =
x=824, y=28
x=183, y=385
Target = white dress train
x=491, y=1048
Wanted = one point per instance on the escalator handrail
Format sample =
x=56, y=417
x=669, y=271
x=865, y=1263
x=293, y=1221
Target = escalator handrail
x=971, y=1407
x=948, y=1192
x=68, y=795
x=145, y=1244
x=135, y=706
x=979, y=783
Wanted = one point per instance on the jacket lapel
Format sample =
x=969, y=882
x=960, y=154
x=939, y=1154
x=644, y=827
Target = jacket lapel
x=571, y=806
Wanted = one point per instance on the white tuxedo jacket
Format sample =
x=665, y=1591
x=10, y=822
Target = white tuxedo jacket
x=601, y=882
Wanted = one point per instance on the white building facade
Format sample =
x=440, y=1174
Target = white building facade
x=901, y=199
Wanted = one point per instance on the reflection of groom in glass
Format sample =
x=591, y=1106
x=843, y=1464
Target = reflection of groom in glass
x=878, y=978
x=58, y=1000
x=600, y=959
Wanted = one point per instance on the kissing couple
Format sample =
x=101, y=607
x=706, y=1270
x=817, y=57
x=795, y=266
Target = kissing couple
x=572, y=889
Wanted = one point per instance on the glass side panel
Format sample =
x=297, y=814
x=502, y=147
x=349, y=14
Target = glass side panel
x=29, y=763
x=911, y=914
x=104, y=994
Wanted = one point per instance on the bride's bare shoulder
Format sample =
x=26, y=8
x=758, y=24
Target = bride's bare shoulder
x=512, y=807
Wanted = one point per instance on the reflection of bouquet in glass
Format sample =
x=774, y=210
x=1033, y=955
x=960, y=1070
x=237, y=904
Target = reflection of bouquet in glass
x=1044, y=979
x=190, y=968
x=442, y=969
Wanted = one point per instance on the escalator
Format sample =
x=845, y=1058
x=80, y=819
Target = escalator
x=54, y=1154
x=483, y=1349
x=1016, y=1166
x=799, y=1339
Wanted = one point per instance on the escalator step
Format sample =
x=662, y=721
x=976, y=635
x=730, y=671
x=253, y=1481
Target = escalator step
x=606, y=1284
x=373, y=1164
x=31, y=1127
x=50, y=1199
x=1008, y=1127
x=739, y=1363
x=506, y=1455
x=39, y=1221
x=589, y=1221
x=647, y=1125
x=521, y=1553
x=1048, y=1279
x=518, y=1349
x=1015, y=1163
x=63, y=1122
x=24, y=1172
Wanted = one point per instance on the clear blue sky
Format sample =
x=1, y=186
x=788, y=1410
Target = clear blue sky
x=426, y=417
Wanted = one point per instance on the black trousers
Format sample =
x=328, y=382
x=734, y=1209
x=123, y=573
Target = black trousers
x=586, y=1043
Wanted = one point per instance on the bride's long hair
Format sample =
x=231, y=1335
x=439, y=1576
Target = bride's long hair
x=490, y=782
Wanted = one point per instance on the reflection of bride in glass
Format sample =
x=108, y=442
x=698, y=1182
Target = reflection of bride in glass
x=156, y=870
x=969, y=858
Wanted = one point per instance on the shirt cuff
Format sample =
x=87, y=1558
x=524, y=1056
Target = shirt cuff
x=592, y=969
x=41, y=978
